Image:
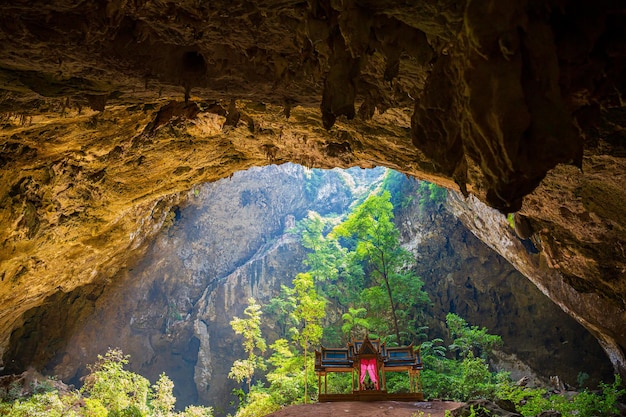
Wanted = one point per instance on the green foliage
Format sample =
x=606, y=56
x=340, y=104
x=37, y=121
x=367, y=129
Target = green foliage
x=109, y=391
x=510, y=218
x=582, y=378
x=328, y=262
x=94, y=408
x=46, y=404
x=465, y=375
x=376, y=302
x=533, y=401
x=400, y=188
x=476, y=381
x=116, y=388
x=355, y=324
x=253, y=341
x=325, y=251
x=430, y=194
x=340, y=383
x=12, y=393
x=362, y=266
x=309, y=311
x=398, y=382
x=163, y=399
x=369, y=230
x=456, y=380
x=470, y=339
x=313, y=181
x=260, y=403
x=196, y=411
x=280, y=310
x=286, y=379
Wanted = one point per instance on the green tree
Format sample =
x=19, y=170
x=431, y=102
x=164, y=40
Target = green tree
x=280, y=309
x=470, y=339
x=196, y=411
x=377, y=241
x=163, y=399
x=253, y=341
x=330, y=264
x=287, y=374
x=116, y=388
x=109, y=391
x=309, y=311
x=325, y=252
x=355, y=319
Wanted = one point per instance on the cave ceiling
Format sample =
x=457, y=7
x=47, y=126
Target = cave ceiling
x=110, y=111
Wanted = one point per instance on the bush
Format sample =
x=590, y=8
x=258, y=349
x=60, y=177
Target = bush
x=458, y=380
x=340, y=383
x=531, y=402
x=117, y=389
x=259, y=403
x=196, y=411
x=45, y=405
x=109, y=391
x=398, y=382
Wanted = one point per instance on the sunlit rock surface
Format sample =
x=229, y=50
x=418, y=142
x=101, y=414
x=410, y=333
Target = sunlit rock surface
x=170, y=310
x=112, y=111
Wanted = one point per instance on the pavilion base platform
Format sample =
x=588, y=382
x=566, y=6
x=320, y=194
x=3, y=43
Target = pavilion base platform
x=372, y=395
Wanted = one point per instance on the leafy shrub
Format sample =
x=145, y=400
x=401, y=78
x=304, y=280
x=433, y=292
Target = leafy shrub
x=466, y=375
x=531, y=402
x=398, y=382
x=94, y=408
x=12, y=393
x=116, y=388
x=340, y=383
x=196, y=411
x=48, y=404
x=260, y=403
x=109, y=391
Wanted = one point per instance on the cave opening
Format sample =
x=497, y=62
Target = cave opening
x=229, y=240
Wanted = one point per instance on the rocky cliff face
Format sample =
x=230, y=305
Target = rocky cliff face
x=465, y=276
x=111, y=109
x=604, y=320
x=170, y=310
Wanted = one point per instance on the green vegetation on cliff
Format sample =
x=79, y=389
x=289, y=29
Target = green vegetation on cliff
x=359, y=268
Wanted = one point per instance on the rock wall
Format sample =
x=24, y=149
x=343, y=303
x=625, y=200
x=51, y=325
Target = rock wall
x=603, y=320
x=170, y=310
x=109, y=110
x=465, y=276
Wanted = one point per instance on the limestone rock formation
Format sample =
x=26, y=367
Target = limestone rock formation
x=466, y=276
x=112, y=110
x=171, y=309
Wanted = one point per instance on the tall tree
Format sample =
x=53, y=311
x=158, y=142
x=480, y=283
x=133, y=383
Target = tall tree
x=336, y=273
x=253, y=341
x=309, y=312
x=377, y=241
x=325, y=257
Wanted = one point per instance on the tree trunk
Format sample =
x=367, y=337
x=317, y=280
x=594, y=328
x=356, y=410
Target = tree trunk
x=306, y=343
x=393, y=309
